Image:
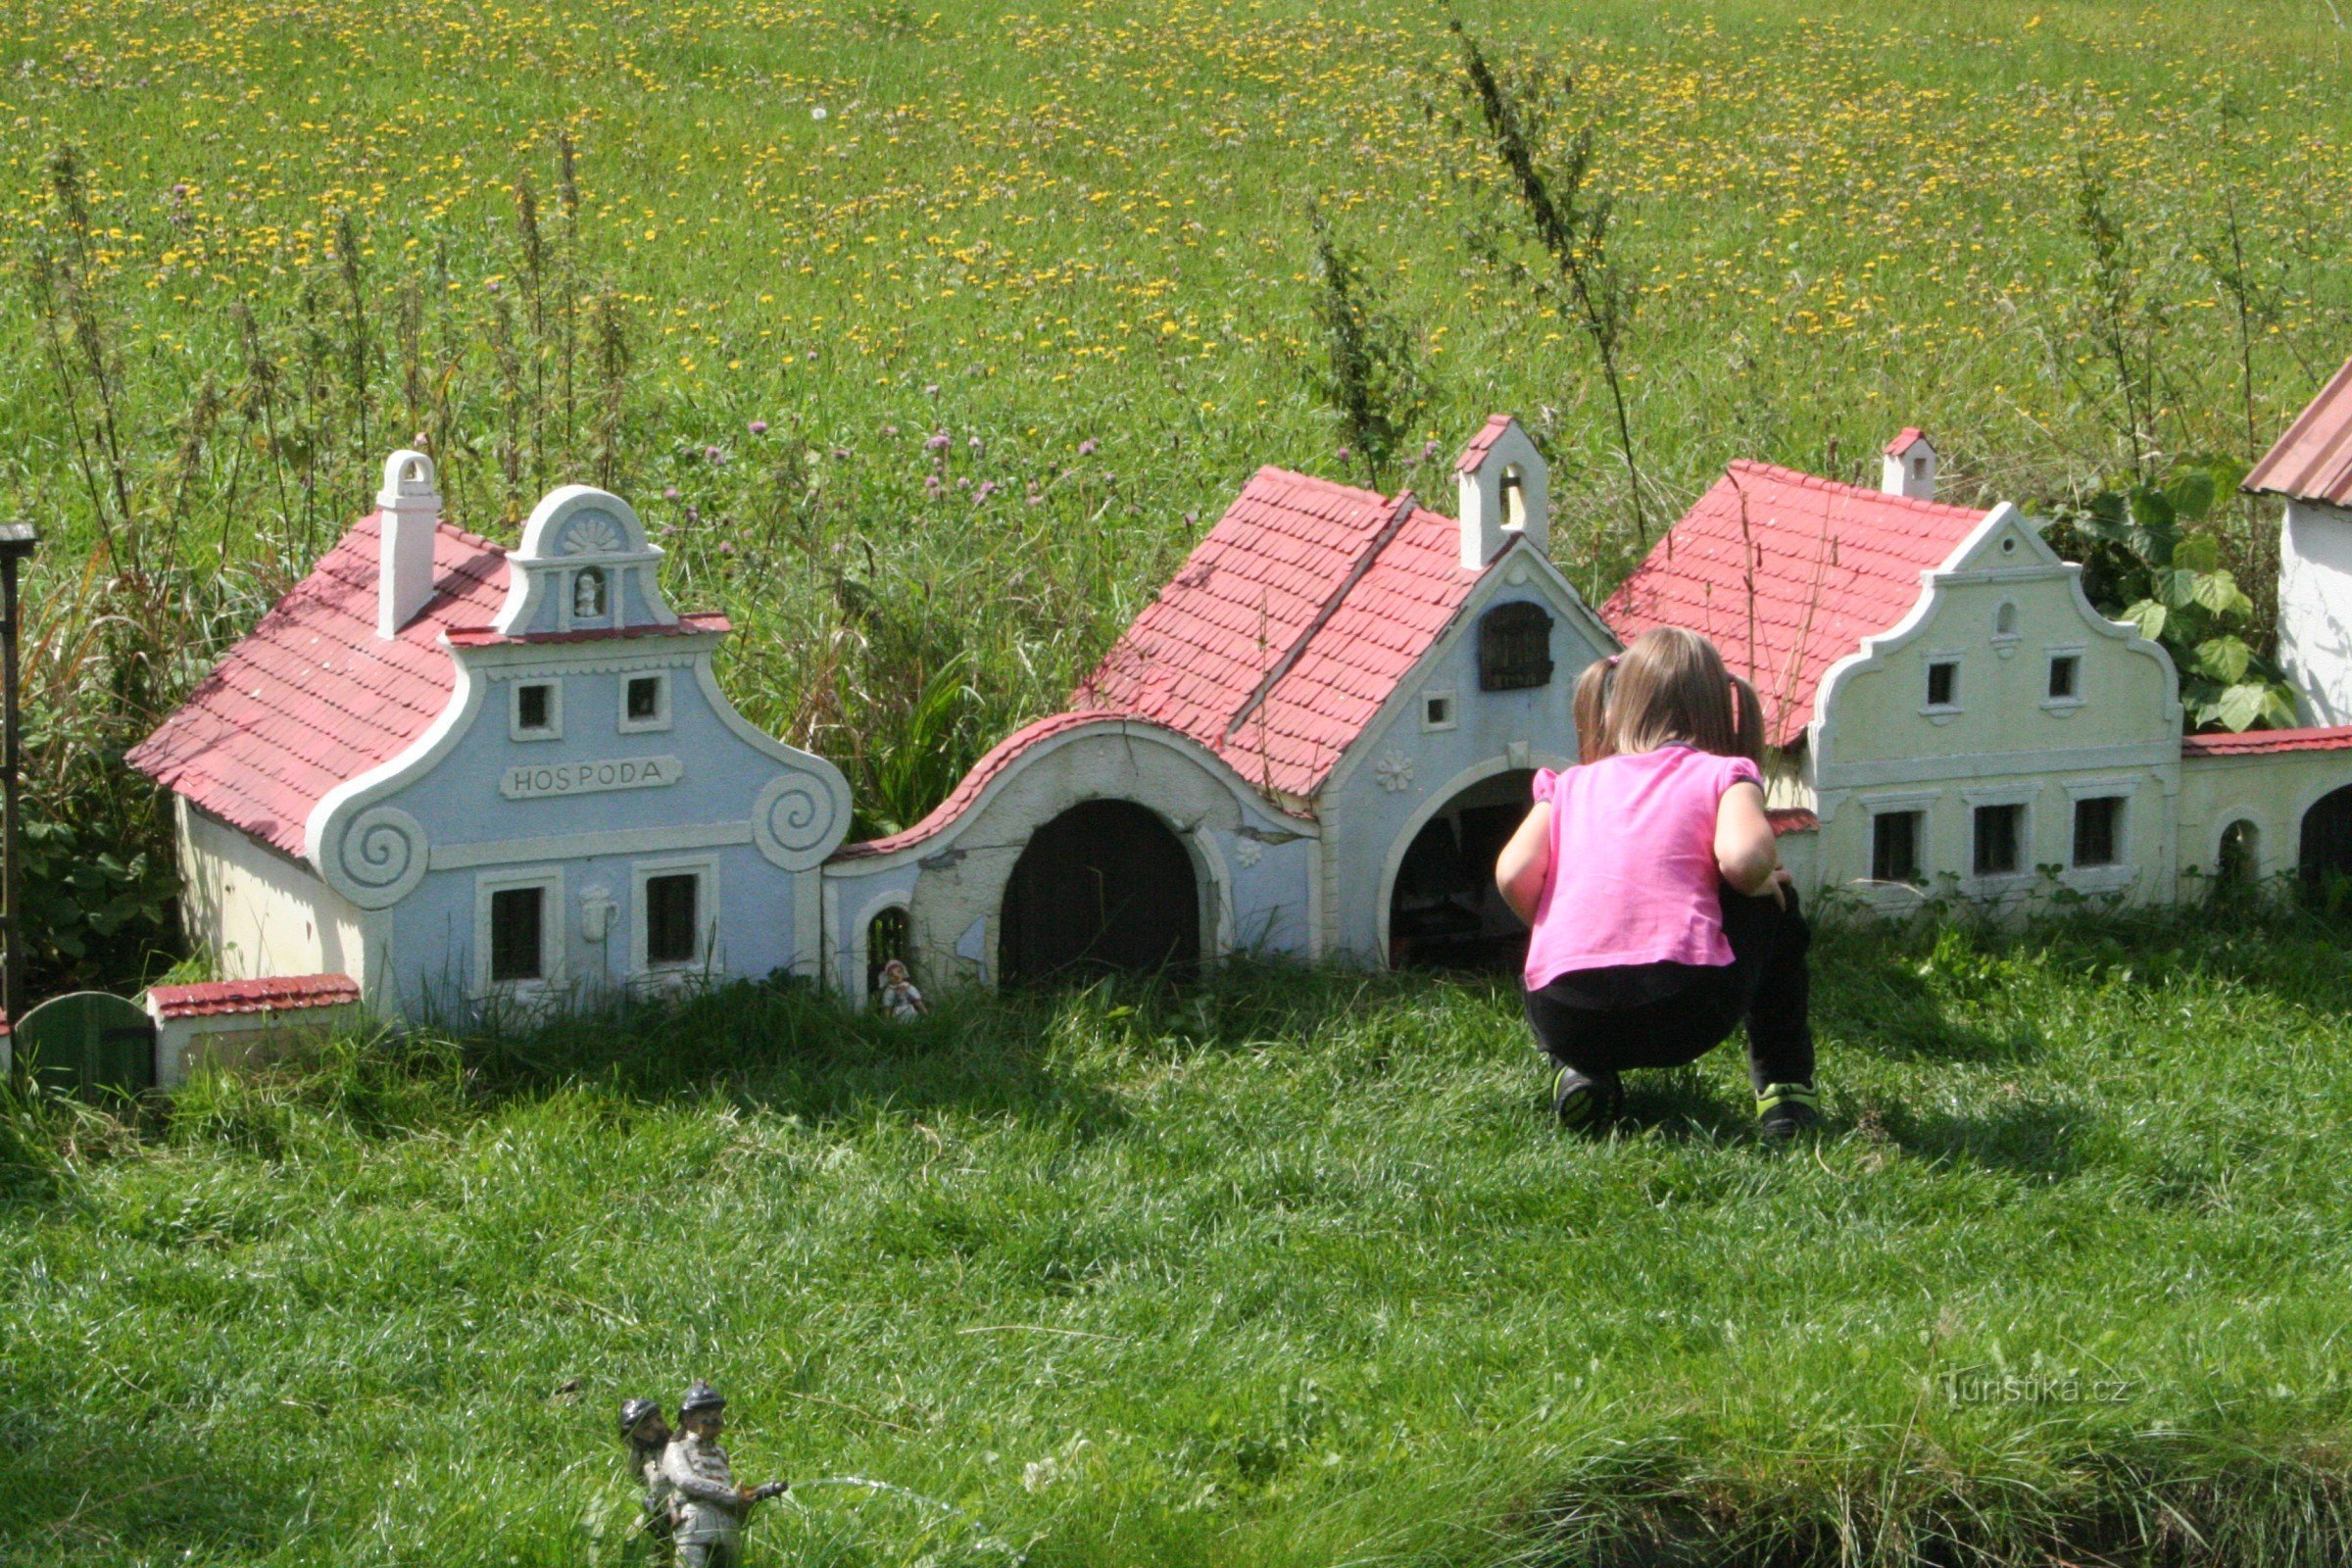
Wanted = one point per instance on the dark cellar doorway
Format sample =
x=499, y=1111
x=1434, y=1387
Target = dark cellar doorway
x=1445, y=912
x=2324, y=854
x=1104, y=886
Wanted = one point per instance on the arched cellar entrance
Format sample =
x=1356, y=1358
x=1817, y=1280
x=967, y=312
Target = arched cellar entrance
x=1104, y=886
x=2326, y=857
x=1445, y=912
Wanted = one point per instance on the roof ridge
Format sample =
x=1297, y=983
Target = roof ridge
x=1400, y=511
x=1865, y=492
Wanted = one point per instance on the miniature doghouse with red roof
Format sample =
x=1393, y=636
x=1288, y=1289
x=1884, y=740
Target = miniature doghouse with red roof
x=455, y=772
x=1312, y=742
x=1949, y=714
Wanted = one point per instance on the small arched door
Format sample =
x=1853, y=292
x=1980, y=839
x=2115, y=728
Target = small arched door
x=2326, y=848
x=1104, y=886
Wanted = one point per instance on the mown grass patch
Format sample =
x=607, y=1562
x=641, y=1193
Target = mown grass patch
x=1285, y=1268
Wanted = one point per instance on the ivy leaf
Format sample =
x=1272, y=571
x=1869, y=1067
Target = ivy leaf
x=2199, y=552
x=2243, y=704
x=2224, y=659
x=2149, y=617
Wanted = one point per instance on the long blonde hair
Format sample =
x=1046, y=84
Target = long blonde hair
x=1668, y=685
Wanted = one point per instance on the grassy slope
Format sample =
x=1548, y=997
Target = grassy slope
x=1288, y=1272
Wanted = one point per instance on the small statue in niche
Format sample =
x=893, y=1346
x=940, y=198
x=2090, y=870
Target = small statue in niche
x=710, y=1507
x=588, y=594
x=899, y=999
x=647, y=1435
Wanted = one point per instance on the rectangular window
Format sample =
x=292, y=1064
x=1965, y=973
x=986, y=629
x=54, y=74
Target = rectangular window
x=2063, y=668
x=534, y=707
x=645, y=697
x=672, y=917
x=517, y=923
x=2098, y=830
x=2000, y=835
x=1943, y=683
x=1895, y=847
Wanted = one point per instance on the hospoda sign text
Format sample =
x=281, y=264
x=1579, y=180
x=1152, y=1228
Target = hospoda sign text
x=528, y=781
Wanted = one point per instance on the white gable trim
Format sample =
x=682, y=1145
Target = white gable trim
x=1965, y=566
x=1494, y=580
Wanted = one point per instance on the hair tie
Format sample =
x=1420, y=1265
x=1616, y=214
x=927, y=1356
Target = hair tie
x=1611, y=661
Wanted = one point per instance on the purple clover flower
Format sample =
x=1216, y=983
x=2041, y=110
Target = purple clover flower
x=936, y=442
x=1086, y=448
x=759, y=427
x=713, y=456
x=669, y=492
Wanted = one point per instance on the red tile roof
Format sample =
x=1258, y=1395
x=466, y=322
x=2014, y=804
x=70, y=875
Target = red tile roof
x=311, y=697
x=286, y=994
x=1831, y=564
x=1289, y=626
x=1792, y=819
x=1000, y=757
x=1479, y=444
x=1903, y=440
x=2260, y=742
x=2312, y=460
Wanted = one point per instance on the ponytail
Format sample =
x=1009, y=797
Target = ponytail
x=1591, y=710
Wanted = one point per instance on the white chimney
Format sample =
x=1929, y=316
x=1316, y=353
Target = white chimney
x=1502, y=482
x=409, y=510
x=1909, y=467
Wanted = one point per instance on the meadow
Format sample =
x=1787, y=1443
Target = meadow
x=929, y=340
x=1286, y=1269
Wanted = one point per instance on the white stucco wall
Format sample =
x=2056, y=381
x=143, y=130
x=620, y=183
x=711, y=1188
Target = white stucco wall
x=1400, y=772
x=2314, y=609
x=1879, y=745
x=1254, y=864
x=257, y=913
x=2271, y=791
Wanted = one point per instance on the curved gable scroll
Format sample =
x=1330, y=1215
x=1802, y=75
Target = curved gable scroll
x=584, y=565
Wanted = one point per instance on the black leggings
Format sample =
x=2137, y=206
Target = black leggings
x=1766, y=984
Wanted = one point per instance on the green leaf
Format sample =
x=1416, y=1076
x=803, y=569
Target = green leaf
x=2224, y=659
x=2176, y=589
x=2191, y=493
x=2279, y=711
x=2243, y=704
x=2149, y=617
x=2199, y=552
x=2217, y=592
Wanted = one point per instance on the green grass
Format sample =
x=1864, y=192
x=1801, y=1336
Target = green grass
x=1287, y=1269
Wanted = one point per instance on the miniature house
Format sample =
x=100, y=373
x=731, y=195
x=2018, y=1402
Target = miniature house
x=1311, y=743
x=455, y=772
x=1948, y=714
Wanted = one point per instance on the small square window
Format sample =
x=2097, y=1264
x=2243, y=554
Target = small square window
x=517, y=925
x=1943, y=683
x=2000, y=836
x=2065, y=670
x=645, y=697
x=1436, y=711
x=534, y=707
x=1895, y=847
x=2098, y=830
x=672, y=917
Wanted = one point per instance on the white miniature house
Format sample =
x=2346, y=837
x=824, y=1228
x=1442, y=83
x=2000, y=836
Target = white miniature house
x=459, y=774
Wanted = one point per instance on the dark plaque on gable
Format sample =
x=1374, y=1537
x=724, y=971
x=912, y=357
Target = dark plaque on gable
x=1514, y=647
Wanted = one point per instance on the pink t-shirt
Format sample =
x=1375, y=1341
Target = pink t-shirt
x=1633, y=877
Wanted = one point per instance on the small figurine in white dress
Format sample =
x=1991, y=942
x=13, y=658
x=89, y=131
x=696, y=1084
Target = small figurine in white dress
x=899, y=997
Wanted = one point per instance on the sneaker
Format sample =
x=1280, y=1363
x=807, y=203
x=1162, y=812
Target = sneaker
x=1785, y=1110
x=1583, y=1103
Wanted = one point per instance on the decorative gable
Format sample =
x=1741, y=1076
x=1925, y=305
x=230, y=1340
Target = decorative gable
x=584, y=567
x=1503, y=486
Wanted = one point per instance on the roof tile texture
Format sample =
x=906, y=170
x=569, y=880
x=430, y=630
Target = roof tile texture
x=2312, y=460
x=2263, y=742
x=1831, y=564
x=1330, y=591
x=311, y=697
x=282, y=994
